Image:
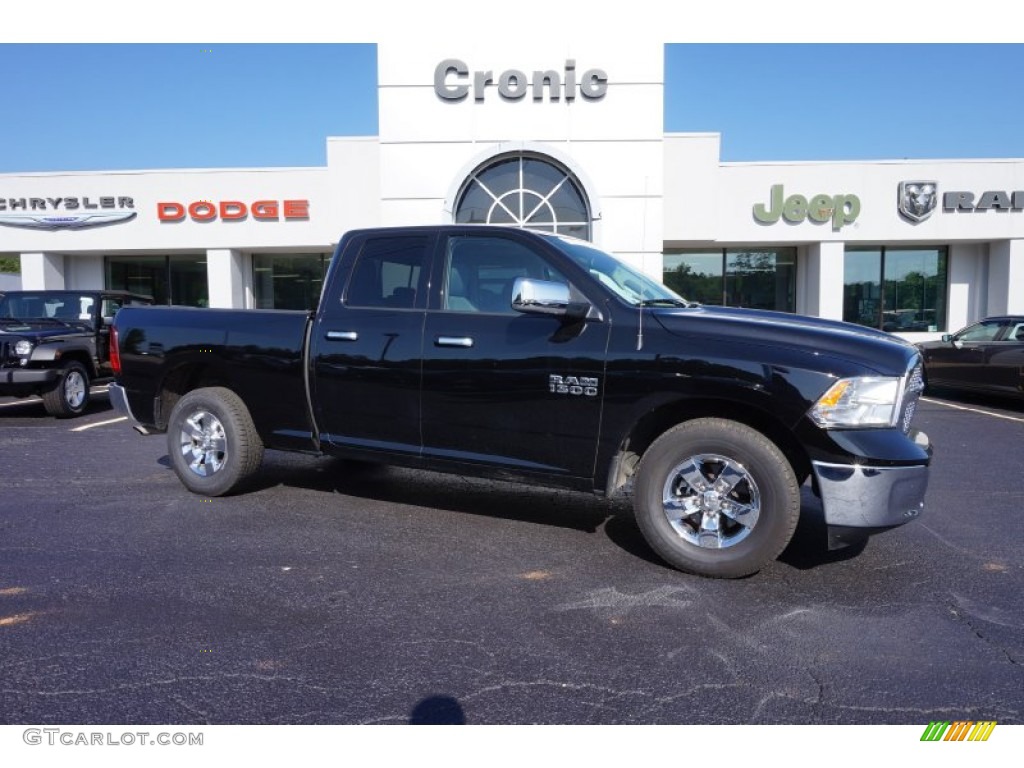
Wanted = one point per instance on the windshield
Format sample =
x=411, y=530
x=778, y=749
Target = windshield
x=624, y=281
x=60, y=306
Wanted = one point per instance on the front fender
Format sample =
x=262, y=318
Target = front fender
x=51, y=355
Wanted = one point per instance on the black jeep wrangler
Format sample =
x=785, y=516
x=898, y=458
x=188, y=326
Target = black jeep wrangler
x=56, y=344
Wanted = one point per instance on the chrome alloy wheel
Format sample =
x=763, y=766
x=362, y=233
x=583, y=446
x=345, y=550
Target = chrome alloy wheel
x=203, y=443
x=74, y=389
x=711, y=501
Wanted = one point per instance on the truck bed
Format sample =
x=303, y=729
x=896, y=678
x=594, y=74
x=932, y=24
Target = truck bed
x=257, y=353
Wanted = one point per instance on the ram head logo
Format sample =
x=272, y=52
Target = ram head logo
x=917, y=199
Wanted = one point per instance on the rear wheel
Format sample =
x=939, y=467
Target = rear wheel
x=71, y=395
x=716, y=498
x=212, y=442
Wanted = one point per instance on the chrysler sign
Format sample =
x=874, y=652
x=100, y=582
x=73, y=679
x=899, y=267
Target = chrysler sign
x=52, y=213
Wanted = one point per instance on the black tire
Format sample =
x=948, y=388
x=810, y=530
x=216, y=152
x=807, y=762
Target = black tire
x=212, y=443
x=71, y=395
x=697, y=525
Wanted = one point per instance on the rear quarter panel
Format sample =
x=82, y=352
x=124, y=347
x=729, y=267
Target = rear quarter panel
x=256, y=353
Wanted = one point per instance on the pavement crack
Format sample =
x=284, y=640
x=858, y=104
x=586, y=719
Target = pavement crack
x=204, y=717
x=970, y=614
x=610, y=598
x=947, y=542
x=169, y=682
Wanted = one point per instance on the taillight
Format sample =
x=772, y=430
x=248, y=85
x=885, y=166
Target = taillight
x=115, y=353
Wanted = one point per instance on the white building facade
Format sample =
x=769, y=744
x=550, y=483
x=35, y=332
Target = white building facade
x=564, y=138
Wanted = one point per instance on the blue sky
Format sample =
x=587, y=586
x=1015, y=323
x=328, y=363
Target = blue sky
x=129, y=106
x=849, y=101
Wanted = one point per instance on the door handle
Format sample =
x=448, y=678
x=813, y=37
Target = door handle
x=453, y=341
x=342, y=335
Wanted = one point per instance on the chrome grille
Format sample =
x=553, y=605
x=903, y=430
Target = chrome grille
x=911, y=394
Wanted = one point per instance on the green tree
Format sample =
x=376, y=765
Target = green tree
x=695, y=286
x=10, y=264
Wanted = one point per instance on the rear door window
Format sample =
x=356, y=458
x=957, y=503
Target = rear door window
x=390, y=272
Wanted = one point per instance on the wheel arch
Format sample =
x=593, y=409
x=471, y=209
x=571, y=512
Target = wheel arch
x=649, y=427
x=78, y=355
x=184, y=378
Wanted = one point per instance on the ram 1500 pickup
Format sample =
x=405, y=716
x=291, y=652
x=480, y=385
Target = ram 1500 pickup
x=512, y=354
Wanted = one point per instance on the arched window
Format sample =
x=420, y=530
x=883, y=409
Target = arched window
x=525, y=190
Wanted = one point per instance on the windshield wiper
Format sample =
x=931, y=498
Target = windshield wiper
x=37, y=320
x=666, y=303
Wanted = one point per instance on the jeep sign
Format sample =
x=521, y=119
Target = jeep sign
x=840, y=209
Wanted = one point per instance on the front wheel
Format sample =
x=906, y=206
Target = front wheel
x=71, y=395
x=716, y=498
x=213, y=445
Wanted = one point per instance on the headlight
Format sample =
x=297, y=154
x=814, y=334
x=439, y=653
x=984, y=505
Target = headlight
x=863, y=401
x=23, y=348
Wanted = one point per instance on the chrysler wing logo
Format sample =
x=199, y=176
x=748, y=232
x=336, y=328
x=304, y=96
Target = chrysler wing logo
x=917, y=199
x=64, y=221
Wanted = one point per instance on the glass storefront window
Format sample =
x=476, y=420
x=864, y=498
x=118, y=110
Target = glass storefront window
x=180, y=279
x=895, y=289
x=139, y=274
x=696, y=275
x=862, y=286
x=190, y=286
x=288, y=281
x=762, y=278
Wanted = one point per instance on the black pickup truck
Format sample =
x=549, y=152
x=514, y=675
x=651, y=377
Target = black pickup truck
x=517, y=355
x=55, y=344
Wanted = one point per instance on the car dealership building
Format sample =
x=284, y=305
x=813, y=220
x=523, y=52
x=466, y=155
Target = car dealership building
x=566, y=138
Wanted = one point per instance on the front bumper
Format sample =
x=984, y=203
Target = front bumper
x=867, y=498
x=28, y=377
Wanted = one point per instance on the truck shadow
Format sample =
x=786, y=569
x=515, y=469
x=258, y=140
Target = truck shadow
x=509, y=501
x=453, y=493
x=809, y=546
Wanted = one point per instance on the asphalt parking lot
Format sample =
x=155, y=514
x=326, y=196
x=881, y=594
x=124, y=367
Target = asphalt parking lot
x=341, y=593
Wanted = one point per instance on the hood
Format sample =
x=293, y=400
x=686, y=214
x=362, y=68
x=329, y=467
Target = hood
x=40, y=329
x=926, y=346
x=875, y=350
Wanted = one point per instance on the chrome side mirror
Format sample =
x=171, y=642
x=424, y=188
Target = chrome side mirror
x=540, y=297
x=546, y=297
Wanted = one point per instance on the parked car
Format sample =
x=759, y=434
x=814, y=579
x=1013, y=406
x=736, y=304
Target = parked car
x=985, y=357
x=56, y=344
